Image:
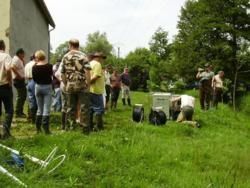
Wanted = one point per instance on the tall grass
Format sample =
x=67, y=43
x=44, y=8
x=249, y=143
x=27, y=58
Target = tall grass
x=127, y=154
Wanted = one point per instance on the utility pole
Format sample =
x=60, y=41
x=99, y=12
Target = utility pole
x=118, y=52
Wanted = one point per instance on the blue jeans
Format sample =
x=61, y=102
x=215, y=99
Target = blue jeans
x=44, y=99
x=31, y=94
x=96, y=104
x=57, y=102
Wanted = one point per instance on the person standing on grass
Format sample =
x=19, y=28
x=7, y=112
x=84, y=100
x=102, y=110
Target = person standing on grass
x=107, y=85
x=205, y=78
x=217, y=85
x=97, y=88
x=6, y=94
x=125, y=84
x=56, y=104
x=75, y=77
x=115, y=88
x=42, y=75
x=19, y=82
x=31, y=89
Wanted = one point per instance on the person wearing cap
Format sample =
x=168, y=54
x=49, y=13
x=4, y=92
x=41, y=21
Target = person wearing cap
x=75, y=77
x=19, y=82
x=217, y=85
x=6, y=94
x=205, y=80
x=31, y=89
x=97, y=88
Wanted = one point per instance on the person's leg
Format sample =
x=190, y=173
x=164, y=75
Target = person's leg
x=107, y=97
x=64, y=110
x=116, y=96
x=47, y=91
x=32, y=100
x=123, y=95
x=21, y=97
x=56, y=104
x=84, y=111
x=97, y=108
x=202, y=98
x=40, y=101
x=71, y=109
x=7, y=99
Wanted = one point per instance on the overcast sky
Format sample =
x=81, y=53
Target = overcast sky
x=128, y=23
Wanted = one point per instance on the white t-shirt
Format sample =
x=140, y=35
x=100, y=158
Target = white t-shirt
x=5, y=64
x=107, y=76
x=187, y=100
x=19, y=65
x=28, y=69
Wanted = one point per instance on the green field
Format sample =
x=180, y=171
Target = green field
x=127, y=154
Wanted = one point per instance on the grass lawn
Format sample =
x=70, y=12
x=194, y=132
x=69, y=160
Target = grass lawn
x=127, y=154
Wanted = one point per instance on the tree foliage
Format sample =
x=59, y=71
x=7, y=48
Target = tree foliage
x=98, y=42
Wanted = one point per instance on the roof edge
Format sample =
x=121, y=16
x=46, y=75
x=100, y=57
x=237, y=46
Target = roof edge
x=46, y=12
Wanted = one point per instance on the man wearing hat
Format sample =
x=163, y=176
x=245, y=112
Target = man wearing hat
x=75, y=77
x=97, y=89
x=205, y=78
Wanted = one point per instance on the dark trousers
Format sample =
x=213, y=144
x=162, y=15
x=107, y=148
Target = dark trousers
x=6, y=97
x=205, y=95
x=108, y=90
x=20, y=100
x=72, y=103
x=115, y=91
x=217, y=96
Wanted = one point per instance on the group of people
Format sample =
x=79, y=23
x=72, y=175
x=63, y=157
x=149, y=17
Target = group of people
x=211, y=87
x=79, y=84
x=211, y=90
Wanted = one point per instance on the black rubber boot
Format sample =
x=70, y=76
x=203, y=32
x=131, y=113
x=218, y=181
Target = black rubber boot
x=45, y=123
x=63, y=120
x=129, y=102
x=7, y=126
x=99, y=122
x=38, y=124
x=123, y=102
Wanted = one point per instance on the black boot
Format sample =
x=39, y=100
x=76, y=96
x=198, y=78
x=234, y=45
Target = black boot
x=45, y=123
x=63, y=120
x=129, y=102
x=7, y=126
x=99, y=122
x=123, y=102
x=38, y=124
x=91, y=122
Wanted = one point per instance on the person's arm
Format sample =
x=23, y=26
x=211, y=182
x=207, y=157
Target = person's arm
x=97, y=70
x=213, y=82
x=63, y=76
x=8, y=63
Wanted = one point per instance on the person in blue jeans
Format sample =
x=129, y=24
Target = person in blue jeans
x=42, y=75
x=32, y=108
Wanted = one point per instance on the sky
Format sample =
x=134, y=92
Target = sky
x=129, y=24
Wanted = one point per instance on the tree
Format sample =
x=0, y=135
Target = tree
x=60, y=51
x=159, y=44
x=98, y=42
x=208, y=34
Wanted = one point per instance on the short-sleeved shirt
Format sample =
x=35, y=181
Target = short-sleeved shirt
x=19, y=65
x=125, y=79
x=206, y=75
x=96, y=70
x=28, y=69
x=5, y=64
x=187, y=100
x=107, y=78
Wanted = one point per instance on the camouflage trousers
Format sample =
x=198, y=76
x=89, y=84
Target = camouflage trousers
x=73, y=100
